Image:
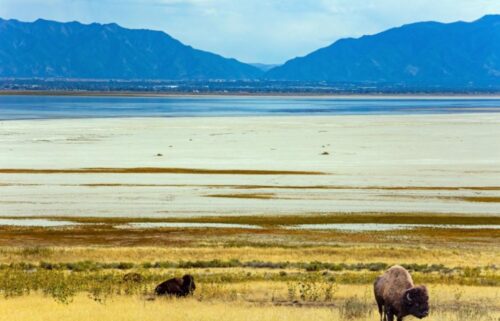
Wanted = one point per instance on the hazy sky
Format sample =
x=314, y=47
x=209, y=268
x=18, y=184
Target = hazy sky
x=268, y=31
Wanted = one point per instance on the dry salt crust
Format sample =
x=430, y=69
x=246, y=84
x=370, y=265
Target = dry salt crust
x=460, y=150
x=35, y=223
x=187, y=225
x=387, y=227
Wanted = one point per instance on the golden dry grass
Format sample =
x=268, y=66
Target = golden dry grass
x=258, y=301
x=259, y=294
x=310, y=218
x=105, y=234
x=249, y=293
x=345, y=254
x=124, y=309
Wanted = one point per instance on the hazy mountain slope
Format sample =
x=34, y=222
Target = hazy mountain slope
x=425, y=53
x=74, y=50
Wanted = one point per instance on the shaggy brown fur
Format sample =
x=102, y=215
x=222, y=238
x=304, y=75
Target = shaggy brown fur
x=177, y=287
x=397, y=296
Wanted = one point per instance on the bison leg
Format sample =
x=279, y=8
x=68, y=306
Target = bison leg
x=389, y=314
x=380, y=310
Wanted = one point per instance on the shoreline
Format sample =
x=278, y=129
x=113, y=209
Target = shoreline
x=469, y=113
x=131, y=94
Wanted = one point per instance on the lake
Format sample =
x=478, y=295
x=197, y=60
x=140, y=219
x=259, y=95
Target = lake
x=51, y=107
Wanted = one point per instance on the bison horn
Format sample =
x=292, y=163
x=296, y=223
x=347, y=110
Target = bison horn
x=408, y=297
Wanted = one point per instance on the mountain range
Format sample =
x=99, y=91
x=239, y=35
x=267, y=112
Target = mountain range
x=457, y=53
x=73, y=50
x=425, y=53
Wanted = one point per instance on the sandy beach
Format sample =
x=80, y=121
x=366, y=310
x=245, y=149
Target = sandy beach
x=169, y=167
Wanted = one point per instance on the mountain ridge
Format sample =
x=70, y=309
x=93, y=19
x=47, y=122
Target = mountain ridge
x=46, y=48
x=423, y=52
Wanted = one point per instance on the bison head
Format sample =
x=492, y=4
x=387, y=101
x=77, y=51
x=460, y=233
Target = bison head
x=416, y=301
x=188, y=285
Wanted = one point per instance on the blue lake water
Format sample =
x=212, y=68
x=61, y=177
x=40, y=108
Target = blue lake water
x=48, y=107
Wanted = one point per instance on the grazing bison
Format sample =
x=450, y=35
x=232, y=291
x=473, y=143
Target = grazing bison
x=178, y=287
x=397, y=296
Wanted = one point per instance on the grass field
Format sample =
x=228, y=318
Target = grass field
x=269, y=302
x=263, y=274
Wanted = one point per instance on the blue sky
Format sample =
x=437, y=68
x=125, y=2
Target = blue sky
x=267, y=31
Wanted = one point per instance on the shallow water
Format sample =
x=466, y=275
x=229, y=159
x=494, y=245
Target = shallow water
x=49, y=107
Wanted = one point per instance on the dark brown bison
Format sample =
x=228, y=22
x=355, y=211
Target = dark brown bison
x=397, y=296
x=177, y=287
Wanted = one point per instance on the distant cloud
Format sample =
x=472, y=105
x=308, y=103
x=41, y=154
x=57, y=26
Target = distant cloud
x=269, y=31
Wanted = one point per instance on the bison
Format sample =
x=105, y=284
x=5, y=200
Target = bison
x=177, y=287
x=397, y=296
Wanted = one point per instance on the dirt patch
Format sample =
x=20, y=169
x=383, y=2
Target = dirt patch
x=262, y=196
x=478, y=199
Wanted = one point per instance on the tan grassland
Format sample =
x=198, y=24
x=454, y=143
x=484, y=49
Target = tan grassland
x=472, y=307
